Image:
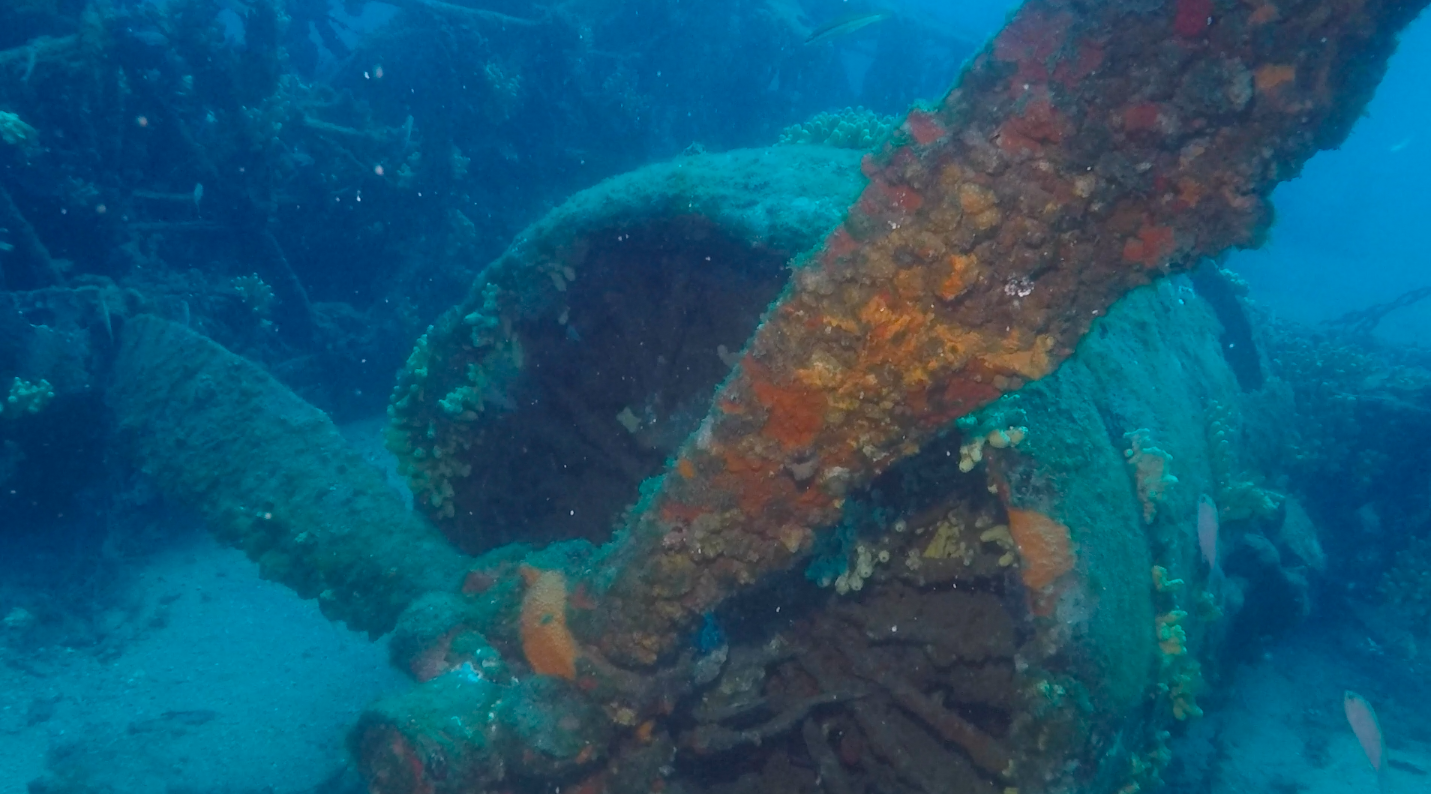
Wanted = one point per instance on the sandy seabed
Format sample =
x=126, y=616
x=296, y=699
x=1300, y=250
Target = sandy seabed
x=1279, y=727
x=233, y=684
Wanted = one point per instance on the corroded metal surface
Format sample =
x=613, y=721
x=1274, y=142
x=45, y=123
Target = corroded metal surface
x=1089, y=148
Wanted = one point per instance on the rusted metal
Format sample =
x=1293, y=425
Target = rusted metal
x=1089, y=148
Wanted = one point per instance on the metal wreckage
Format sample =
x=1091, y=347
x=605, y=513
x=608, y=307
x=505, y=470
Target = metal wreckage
x=901, y=548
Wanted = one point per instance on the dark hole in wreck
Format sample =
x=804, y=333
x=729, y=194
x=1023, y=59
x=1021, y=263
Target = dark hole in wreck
x=609, y=391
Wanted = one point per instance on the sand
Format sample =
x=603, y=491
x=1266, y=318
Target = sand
x=228, y=683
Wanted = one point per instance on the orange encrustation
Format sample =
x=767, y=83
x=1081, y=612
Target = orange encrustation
x=547, y=643
x=1087, y=149
x=1045, y=548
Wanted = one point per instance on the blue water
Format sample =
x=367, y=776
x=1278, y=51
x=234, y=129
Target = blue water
x=310, y=184
x=1344, y=239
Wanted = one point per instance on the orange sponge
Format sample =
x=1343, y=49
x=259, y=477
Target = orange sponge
x=1044, y=546
x=547, y=643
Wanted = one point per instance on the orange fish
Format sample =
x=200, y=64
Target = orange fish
x=1363, y=722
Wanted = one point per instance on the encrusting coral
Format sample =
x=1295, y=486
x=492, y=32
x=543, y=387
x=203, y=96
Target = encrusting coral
x=1150, y=470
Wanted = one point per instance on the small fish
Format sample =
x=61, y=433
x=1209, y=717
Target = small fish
x=1207, y=535
x=173, y=721
x=1396, y=147
x=847, y=25
x=1363, y=722
x=148, y=36
x=30, y=63
x=407, y=133
x=301, y=157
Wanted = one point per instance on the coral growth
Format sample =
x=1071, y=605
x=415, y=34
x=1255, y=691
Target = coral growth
x=851, y=128
x=1408, y=584
x=1179, y=674
x=972, y=451
x=26, y=398
x=1329, y=444
x=1239, y=497
x=1172, y=637
x=255, y=294
x=1150, y=471
x=1145, y=768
